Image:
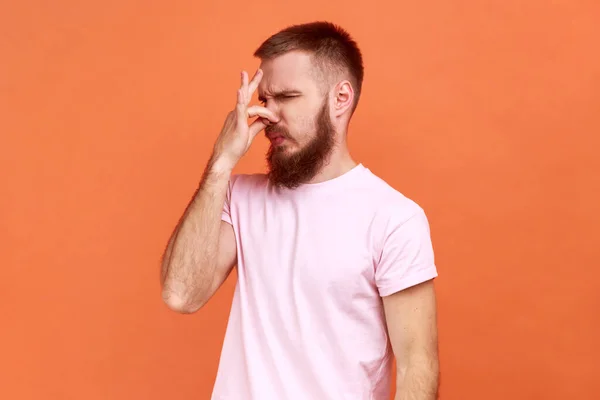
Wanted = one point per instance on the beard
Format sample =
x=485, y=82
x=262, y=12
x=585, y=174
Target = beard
x=291, y=170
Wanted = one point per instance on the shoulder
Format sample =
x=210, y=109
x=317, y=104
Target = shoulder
x=399, y=223
x=391, y=204
x=245, y=185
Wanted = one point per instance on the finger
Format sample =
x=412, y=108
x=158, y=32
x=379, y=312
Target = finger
x=263, y=112
x=254, y=82
x=240, y=106
x=245, y=87
x=257, y=126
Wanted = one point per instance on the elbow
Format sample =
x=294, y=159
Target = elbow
x=179, y=303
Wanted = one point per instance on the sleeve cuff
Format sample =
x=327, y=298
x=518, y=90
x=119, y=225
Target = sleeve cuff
x=420, y=277
x=225, y=217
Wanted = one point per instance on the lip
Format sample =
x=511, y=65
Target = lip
x=275, y=137
x=277, y=140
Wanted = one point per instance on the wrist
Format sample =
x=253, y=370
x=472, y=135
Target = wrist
x=221, y=165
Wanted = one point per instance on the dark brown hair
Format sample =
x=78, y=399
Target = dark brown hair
x=333, y=50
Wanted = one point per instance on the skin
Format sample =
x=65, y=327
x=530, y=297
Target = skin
x=201, y=252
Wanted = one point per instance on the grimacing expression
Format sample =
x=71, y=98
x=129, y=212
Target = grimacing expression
x=304, y=137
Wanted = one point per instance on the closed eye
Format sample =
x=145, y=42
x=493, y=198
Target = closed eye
x=285, y=97
x=282, y=96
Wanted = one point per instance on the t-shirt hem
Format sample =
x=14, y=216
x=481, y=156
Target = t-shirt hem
x=422, y=276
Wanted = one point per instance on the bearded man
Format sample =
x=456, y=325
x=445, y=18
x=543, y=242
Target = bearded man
x=335, y=267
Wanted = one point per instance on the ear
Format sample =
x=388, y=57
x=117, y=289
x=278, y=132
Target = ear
x=343, y=97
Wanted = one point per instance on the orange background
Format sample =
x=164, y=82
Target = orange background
x=484, y=112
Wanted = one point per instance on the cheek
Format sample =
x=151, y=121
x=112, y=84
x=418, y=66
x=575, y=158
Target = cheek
x=306, y=123
x=301, y=129
x=300, y=124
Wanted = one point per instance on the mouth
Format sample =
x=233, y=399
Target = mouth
x=275, y=138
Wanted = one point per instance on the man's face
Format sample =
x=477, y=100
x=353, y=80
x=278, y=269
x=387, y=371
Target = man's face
x=304, y=137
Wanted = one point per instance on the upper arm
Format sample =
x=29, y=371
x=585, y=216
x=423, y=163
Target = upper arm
x=404, y=276
x=411, y=317
x=227, y=255
x=227, y=250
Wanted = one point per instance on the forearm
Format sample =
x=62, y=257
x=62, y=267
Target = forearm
x=189, y=262
x=418, y=381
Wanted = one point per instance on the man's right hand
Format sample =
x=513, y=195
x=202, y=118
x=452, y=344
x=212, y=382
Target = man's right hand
x=237, y=135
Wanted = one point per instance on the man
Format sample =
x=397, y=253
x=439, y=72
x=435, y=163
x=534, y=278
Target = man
x=334, y=266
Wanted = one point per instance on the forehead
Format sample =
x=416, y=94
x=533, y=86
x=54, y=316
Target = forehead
x=290, y=71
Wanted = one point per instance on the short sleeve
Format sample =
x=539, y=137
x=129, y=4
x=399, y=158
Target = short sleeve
x=407, y=257
x=226, y=213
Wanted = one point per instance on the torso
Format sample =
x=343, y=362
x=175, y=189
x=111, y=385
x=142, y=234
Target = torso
x=307, y=320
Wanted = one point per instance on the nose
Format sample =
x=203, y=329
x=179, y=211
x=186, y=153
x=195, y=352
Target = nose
x=271, y=106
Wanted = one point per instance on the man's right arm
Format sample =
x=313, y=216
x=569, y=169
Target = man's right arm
x=202, y=249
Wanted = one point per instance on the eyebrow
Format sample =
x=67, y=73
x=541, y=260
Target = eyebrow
x=278, y=93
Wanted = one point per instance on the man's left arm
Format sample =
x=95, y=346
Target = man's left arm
x=404, y=275
x=411, y=317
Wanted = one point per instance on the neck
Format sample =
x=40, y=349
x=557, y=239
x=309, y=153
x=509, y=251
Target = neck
x=339, y=162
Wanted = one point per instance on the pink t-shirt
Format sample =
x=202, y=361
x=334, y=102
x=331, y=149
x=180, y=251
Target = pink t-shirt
x=307, y=321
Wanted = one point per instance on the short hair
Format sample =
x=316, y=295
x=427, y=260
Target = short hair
x=332, y=48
